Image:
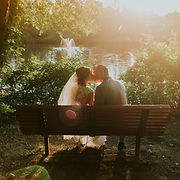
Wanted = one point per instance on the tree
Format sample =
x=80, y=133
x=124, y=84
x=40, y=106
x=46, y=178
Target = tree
x=7, y=12
x=74, y=16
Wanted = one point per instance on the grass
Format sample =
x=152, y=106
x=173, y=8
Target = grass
x=159, y=158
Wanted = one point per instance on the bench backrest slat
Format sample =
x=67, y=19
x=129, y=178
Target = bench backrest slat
x=99, y=120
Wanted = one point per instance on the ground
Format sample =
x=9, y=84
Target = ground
x=159, y=158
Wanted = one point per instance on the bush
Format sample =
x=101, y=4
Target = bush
x=36, y=81
x=153, y=78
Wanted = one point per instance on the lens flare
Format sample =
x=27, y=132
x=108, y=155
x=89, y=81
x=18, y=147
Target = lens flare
x=71, y=114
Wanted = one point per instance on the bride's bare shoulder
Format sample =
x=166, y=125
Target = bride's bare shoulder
x=89, y=89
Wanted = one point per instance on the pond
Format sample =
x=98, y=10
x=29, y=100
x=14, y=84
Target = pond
x=117, y=61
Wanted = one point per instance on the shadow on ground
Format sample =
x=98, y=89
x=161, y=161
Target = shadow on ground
x=105, y=164
x=74, y=164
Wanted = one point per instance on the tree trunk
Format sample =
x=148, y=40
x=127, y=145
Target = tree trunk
x=5, y=7
x=7, y=11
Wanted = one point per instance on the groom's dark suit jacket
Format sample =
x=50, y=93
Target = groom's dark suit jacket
x=110, y=92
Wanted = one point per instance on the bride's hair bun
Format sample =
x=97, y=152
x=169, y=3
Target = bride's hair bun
x=82, y=74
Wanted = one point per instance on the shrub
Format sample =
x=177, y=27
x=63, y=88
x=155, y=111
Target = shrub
x=36, y=81
x=153, y=77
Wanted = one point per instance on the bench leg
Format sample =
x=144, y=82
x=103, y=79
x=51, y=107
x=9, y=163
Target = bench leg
x=121, y=145
x=138, y=141
x=46, y=145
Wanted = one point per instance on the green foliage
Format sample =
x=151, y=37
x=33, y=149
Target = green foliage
x=36, y=81
x=62, y=16
x=153, y=78
x=10, y=46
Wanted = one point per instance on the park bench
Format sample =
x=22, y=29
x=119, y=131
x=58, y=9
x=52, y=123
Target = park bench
x=127, y=120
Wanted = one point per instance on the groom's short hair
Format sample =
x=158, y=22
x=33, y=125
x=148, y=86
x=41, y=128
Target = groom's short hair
x=100, y=68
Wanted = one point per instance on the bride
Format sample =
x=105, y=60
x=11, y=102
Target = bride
x=75, y=92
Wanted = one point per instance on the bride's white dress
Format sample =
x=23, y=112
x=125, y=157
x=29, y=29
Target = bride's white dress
x=72, y=94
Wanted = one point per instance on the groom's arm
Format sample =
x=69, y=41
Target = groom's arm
x=99, y=96
x=123, y=94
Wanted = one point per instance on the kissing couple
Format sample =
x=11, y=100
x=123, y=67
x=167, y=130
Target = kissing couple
x=109, y=92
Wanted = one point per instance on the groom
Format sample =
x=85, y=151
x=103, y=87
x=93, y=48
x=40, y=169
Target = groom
x=109, y=92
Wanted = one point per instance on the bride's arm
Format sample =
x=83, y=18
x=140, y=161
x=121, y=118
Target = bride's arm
x=90, y=100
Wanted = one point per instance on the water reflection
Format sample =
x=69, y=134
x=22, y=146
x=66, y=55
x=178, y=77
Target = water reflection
x=116, y=61
x=63, y=51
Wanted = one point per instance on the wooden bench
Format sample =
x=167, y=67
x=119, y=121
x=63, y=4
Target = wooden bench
x=128, y=120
